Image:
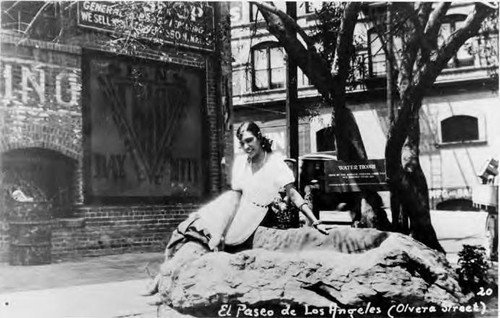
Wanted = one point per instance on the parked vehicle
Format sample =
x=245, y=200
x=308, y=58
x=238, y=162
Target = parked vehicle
x=313, y=185
x=331, y=184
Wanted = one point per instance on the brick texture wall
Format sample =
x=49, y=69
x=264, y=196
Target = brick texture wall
x=35, y=115
x=96, y=231
x=40, y=116
x=4, y=237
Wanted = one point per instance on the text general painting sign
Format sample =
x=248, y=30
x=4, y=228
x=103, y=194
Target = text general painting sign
x=189, y=24
x=355, y=176
x=143, y=128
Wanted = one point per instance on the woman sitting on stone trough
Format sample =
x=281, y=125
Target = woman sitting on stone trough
x=228, y=222
x=259, y=177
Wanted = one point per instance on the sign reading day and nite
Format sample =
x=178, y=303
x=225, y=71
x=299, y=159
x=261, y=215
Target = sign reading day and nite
x=352, y=177
x=189, y=24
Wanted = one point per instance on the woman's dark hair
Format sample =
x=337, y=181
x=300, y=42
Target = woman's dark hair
x=252, y=127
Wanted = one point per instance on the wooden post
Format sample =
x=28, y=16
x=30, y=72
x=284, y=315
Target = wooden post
x=389, y=66
x=292, y=118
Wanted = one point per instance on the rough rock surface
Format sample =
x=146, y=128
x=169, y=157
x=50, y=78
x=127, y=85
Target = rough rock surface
x=349, y=267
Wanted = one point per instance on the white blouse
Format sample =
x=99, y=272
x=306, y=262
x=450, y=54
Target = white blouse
x=259, y=189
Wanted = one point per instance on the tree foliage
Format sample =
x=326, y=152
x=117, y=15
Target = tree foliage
x=329, y=20
x=473, y=268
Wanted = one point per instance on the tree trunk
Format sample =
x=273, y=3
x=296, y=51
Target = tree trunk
x=349, y=142
x=415, y=203
x=350, y=148
x=414, y=190
x=399, y=218
x=409, y=191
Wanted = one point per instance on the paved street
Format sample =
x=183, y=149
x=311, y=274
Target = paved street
x=109, y=286
x=457, y=228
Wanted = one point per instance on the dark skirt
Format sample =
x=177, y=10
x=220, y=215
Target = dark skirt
x=281, y=215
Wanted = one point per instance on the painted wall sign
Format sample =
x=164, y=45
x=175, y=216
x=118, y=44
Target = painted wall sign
x=236, y=11
x=189, y=24
x=355, y=176
x=34, y=83
x=450, y=193
x=144, y=128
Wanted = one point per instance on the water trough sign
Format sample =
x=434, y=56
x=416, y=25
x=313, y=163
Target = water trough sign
x=355, y=176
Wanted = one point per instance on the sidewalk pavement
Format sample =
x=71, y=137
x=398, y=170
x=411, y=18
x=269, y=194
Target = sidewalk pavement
x=110, y=286
x=107, y=286
x=118, y=299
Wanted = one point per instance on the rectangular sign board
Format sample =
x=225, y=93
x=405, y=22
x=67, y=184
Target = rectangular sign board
x=189, y=24
x=355, y=176
x=143, y=128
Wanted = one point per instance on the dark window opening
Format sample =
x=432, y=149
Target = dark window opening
x=376, y=55
x=459, y=128
x=268, y=67
x=325, y=140
x=41, y=174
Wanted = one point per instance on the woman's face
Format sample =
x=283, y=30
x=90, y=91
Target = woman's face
x=250, y=144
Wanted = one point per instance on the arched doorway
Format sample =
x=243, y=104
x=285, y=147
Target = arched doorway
x=42, y=174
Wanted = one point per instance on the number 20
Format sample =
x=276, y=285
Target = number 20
x=483, y=292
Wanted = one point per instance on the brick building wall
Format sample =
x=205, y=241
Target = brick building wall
x=95, y=231
x=36, y=115
x=41, y=107
x=44, y=116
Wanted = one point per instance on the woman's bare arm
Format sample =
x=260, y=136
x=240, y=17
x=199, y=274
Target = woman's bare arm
x=299, y=202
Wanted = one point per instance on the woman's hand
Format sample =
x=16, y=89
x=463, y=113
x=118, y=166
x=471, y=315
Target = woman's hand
x=318, y=225
x=214, y=242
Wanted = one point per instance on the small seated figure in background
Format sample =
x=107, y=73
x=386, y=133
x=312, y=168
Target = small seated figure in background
x=19, y=196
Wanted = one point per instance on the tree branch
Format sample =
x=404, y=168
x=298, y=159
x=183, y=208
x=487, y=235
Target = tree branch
x=309, y=61
x=382, y=36
x=413, y=15
x=424, y=11
x=344, y=40
x=419, y=18
x=426, y=75
x=33, y=20
x=269, y=7
x=435, y=20
x=12, y=6
x=429, y=72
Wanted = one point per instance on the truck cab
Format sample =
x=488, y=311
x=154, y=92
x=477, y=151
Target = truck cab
x=332, y=186
x=326, y=205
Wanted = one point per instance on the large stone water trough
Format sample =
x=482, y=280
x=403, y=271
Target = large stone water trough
x=301, y=272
